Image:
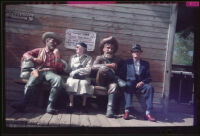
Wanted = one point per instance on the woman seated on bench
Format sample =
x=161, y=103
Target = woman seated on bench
x=78, y=82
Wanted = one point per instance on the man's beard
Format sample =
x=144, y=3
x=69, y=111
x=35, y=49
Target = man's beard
x=51, y=47
x=108, y=56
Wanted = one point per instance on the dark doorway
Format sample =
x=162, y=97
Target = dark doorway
x=181, y=87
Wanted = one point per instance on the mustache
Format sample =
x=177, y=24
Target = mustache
x=51, y=47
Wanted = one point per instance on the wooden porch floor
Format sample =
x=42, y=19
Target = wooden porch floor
x=34, y=117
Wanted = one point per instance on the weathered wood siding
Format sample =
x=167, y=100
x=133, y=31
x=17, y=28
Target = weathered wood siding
x=145, y=24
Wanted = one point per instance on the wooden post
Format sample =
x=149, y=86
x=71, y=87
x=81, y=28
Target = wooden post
x=169, y=54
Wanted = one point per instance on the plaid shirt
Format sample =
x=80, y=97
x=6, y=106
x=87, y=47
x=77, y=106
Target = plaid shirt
x=49, y=62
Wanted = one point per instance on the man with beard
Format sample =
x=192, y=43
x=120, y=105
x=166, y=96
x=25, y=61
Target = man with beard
x=48, y=63
x=106, y=67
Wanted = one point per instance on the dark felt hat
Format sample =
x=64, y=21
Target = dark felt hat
x=136, y=47
x=109, y=40
x=51, y=35
x=82, y=44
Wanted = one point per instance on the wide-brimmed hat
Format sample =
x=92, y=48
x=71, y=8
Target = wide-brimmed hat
x=51, y=35
x=109, y=40
x=136, y=47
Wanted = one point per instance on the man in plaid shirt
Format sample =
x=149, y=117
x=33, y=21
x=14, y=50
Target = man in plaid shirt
x=48, y=63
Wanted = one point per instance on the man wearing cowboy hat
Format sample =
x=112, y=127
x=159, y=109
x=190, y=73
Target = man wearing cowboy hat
x=106, y=67
x=48, y=63
x=136, y=73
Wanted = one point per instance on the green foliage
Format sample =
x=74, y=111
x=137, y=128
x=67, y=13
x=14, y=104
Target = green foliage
x=183, y=49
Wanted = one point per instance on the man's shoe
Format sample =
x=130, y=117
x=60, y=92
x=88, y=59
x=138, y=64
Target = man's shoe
x=126, y=115
x=18, y=107
x=150, y=118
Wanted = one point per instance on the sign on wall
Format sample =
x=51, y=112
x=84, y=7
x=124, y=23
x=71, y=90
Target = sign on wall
x=21, y=15
x=73, y=36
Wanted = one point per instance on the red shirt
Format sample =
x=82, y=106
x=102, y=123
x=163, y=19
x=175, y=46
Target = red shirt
x=49, y=62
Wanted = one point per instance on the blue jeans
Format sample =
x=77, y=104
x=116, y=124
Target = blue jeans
x=147, y=90
x=54, y=80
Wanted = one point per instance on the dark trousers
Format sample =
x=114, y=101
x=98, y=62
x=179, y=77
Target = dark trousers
x=106, y=77
x=147, y=90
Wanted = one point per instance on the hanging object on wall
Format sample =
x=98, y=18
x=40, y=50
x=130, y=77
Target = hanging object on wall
x=20, y=15
x=73, y=36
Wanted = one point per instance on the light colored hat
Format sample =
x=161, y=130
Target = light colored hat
x=51, y=35
x=110, y=40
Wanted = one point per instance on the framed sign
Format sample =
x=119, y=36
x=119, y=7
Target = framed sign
x=73, y=36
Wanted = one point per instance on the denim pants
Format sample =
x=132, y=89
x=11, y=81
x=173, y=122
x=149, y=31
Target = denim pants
x=49, y=76
x=147, y=90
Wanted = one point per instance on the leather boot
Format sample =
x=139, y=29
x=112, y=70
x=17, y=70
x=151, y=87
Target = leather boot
x=50, y=108
x=52, y=97
x=109, y=112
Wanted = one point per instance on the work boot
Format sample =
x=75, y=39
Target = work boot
x=52, y=97
x=109, y=112
x=50, y=109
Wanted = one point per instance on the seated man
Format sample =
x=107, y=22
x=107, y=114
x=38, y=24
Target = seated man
x=48, y=63
x=135, y=72
x=106, y=67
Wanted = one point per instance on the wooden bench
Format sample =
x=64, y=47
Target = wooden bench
x=100, y=93
x=42, y=98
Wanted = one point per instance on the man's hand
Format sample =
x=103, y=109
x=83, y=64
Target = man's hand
x=112, y=65
x=56, y=53
x=35, y=73
x=37, y=60
x=140, y=84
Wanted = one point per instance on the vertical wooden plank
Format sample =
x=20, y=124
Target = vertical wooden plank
x=127, y=123
x=94, y=121
x=75, y=120
x=44, y=120
x=55, y=120
x=34, y=120
x=84, y=120
x=114, y=122
x=103, y=120
x=168, y=63
x=65, y=120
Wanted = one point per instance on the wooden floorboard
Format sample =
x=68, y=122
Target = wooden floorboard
x=65, y=120
x=84, y=120
x=94, y=121
x=34, y=120
x=45, y=119
x=75, y=120
x=55, y=120
x=114, y=122
x=38, y=118
x=23, y=119
x=103, y=120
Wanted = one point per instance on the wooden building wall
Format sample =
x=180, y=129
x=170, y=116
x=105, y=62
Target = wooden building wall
x=145, y=24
